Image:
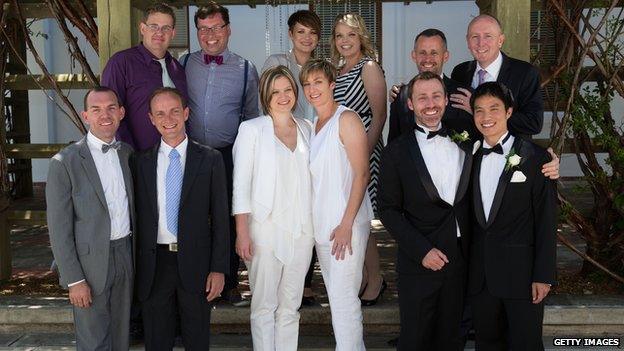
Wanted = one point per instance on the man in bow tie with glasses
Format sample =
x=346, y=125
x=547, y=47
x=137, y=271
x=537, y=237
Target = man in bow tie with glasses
x=223, y=92
x=136, y=72
x=90, y=213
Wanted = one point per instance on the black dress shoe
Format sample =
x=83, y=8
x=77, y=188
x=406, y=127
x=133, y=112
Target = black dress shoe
x=366, y=303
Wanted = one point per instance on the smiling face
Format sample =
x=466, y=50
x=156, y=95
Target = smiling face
x=283, y=97
x=318, y=89
x=428, y=102
x=347, y=40
x=157, y=32
x=491, y=117
x=103, y=114
x=429, y=54
x=168, y=116
x=485, y=39
x=304, y=39
x=213, y=34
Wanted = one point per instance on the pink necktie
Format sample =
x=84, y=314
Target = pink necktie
x=481, y=74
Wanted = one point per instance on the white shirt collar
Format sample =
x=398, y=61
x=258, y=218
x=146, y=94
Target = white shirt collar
x=494, y=68
x=181, y=148
x=506, y=146
x=96, y=142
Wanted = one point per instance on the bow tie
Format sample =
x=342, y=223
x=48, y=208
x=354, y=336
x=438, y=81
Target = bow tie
x=114, y=145
x=217, y=59
x=443, y=132
x=496, y=149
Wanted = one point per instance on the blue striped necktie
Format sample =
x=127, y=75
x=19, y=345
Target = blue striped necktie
x=173, y=188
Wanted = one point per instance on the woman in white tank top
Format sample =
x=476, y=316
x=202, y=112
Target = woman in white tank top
x=271, y=203
x=341, y=207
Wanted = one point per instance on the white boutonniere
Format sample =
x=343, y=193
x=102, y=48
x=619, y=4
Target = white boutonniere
x=476, y=146
x=460, y=137
x=512, y=160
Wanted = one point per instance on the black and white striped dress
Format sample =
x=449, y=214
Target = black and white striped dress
x=350, y=92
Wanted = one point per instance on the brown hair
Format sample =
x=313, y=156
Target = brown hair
x=318, y=65
x=306, y=18
x=267, y=80
x=159, y=8
x=424, y=76
x=210, y=9
x=100, y=89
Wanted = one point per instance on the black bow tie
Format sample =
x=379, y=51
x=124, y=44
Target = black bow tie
x=114, y=145
x=443, y=132
x=496, y=149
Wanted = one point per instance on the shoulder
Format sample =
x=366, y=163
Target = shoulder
x=533, y=152
x=255, y=123
x=464, y=66
x=371, y=67
x=519, y=65
x=304, y=124
x=69, y=153
x=238, y=59
x=207, y=151
x=452, y=85
x=121, y=57
x=395, y=146
x=276, y=60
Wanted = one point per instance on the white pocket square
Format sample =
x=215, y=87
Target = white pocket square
x=518, y=177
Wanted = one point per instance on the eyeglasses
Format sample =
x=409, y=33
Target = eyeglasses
x=154, y=28
x=216, y=29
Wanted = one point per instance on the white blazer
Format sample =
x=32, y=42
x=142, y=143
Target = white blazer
x=254, y=166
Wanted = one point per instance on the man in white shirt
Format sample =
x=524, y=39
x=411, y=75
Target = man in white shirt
x=90, y=213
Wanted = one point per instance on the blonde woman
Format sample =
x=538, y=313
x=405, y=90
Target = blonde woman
x=361, y=86
x=272, y=207
x=341, y=206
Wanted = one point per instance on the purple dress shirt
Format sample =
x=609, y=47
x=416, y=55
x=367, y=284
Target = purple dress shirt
x=134, y=74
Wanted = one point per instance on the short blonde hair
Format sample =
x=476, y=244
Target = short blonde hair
x=318, y=65
x=355, y=21
x=267, y=80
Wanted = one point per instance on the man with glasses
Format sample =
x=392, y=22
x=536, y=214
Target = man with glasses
x=223, y=91
x=136, y=72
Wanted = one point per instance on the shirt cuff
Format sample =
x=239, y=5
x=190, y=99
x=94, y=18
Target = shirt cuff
x=75, y=283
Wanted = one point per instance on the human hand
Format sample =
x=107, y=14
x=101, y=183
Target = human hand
x=539, y=291
x=214, y=285
x=434, y=260
x=394, y=92
x=461, y=100
x=341, y=236
x=80, y=295
x=244, y=246
x=551, y=169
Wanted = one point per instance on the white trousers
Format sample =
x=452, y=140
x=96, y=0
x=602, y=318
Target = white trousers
x=276, y=296
x=342, y=281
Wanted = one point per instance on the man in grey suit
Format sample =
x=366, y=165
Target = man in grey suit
x=90, y=201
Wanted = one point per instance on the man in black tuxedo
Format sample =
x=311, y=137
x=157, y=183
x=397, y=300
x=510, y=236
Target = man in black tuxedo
x=485, y=39
x=423, y=203
x=513, y=251
x=183, y=233
x=430, y=54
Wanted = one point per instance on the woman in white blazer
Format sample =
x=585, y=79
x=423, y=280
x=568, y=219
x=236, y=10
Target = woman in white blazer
x=272, y=207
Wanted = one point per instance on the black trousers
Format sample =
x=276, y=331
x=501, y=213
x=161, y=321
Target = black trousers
x=431, y=311
x=502, y=324
x=159, y=310
x=231, y=279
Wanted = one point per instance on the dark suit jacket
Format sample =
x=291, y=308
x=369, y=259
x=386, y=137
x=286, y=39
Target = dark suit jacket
x=203, y=219
x=524, y=81
x=413, y=212
x=517, y=245
x=402, y=118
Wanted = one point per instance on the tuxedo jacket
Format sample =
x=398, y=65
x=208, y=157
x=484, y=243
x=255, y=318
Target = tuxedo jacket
x=516, y=246
x=203, y=219
x=402, y=118
x=413, y=211
x=78, y=217
x=523, y=80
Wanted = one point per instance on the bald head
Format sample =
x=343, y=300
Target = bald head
x=485, y=39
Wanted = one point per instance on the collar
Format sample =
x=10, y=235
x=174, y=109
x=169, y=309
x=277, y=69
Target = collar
x=148, y=57
x=494, y=68
x=95, y=142
x=181, y=148
x=422, y=131
x=226, y=54
x=507, y=144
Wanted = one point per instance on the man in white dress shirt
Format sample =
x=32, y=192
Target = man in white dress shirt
x=90, y=217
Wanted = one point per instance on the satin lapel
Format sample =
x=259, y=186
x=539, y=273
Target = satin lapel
x=194, y=158
x=421, y=169
x=471, y=71
x=89, y=167
x=502, y=185
x=477, y=200
x=149, y=173
x=464, y=179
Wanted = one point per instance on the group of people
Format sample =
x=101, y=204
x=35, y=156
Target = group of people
x=180, y=176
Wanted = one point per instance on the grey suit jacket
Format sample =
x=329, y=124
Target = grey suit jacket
x=78, y=218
